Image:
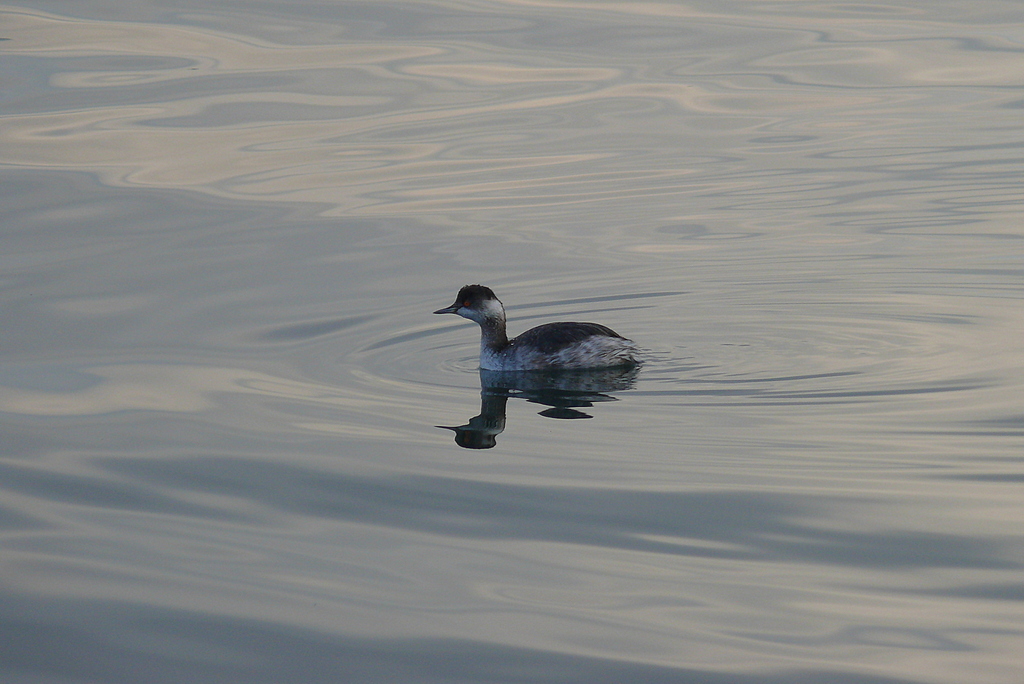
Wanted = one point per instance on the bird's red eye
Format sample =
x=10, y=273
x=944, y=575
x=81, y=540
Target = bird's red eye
x=466, y=303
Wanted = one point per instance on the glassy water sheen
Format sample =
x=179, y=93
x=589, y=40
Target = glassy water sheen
x=225, y=226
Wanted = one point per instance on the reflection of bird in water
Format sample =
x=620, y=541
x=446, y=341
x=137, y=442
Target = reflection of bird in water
x=564, y=391
x=548, y=346
x=481, y=432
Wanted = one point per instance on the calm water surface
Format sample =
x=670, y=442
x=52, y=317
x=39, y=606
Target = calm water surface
x=225, y=226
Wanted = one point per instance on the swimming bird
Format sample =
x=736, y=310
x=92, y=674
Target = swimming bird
x=551, y=346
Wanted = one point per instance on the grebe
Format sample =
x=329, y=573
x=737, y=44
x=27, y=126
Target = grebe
x=550, y=346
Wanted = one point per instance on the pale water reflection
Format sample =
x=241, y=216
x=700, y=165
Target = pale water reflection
x=225, y=227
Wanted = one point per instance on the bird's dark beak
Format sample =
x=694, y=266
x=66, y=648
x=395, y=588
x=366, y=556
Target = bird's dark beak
x=454, y=308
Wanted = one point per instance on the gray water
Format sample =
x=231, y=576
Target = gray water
x=225, y=226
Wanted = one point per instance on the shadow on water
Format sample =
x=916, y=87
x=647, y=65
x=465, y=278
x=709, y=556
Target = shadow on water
x=564, y=392
x=740, y=525
x=69, y=640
